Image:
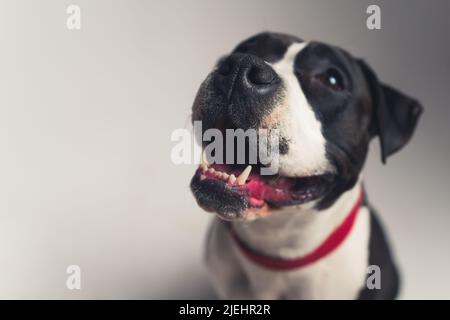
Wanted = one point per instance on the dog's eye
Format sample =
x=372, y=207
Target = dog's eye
x=333, y=79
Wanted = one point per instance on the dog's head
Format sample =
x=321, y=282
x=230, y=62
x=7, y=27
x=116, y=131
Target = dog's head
x=325, y=105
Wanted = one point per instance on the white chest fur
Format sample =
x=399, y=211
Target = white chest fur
x=339, y=275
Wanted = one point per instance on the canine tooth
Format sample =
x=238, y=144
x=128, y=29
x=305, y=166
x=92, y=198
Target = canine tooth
x=225, y=176
x=244, y=175
x=211, y=170
x=232, y=178
x=204, y=158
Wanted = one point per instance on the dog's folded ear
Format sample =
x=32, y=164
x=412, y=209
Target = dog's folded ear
x=395, y=115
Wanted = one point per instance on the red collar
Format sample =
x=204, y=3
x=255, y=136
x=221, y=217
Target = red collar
x=331, y=243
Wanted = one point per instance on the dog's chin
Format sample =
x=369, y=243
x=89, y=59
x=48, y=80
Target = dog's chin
x=255, y=196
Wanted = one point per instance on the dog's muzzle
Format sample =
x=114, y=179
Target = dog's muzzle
x=250, y=86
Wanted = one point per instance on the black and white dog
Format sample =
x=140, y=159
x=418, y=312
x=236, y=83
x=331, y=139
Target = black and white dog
x=306, y=232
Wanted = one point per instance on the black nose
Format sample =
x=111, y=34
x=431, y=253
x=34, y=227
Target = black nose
x=245, y=75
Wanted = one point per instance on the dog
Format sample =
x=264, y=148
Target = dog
x=308, y=231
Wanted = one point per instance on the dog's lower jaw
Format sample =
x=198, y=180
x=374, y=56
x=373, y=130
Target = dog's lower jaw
x=291, y=234
x=252, y=214
x=247, y=215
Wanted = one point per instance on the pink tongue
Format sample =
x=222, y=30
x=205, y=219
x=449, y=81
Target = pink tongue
x=259, y=191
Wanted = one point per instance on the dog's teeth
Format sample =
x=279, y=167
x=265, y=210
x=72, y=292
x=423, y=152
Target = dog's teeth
x=244, y=175
x=204, y=167
x=211, y=170
x=232, y=179
x=225, y=176
x=204, y=158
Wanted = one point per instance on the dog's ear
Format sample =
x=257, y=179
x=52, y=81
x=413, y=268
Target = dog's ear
x=395, y=115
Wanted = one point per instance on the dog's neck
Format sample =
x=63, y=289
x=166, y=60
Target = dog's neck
x=296, y=231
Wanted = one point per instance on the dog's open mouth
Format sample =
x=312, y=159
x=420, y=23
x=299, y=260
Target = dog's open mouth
x=237, y=191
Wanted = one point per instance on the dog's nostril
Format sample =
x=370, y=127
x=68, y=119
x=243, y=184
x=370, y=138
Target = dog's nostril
x=260, y=76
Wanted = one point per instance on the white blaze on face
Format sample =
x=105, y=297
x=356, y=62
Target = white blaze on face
x=298, y=124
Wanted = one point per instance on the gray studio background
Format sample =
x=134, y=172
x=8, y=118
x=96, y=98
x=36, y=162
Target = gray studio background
x=86, y=118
